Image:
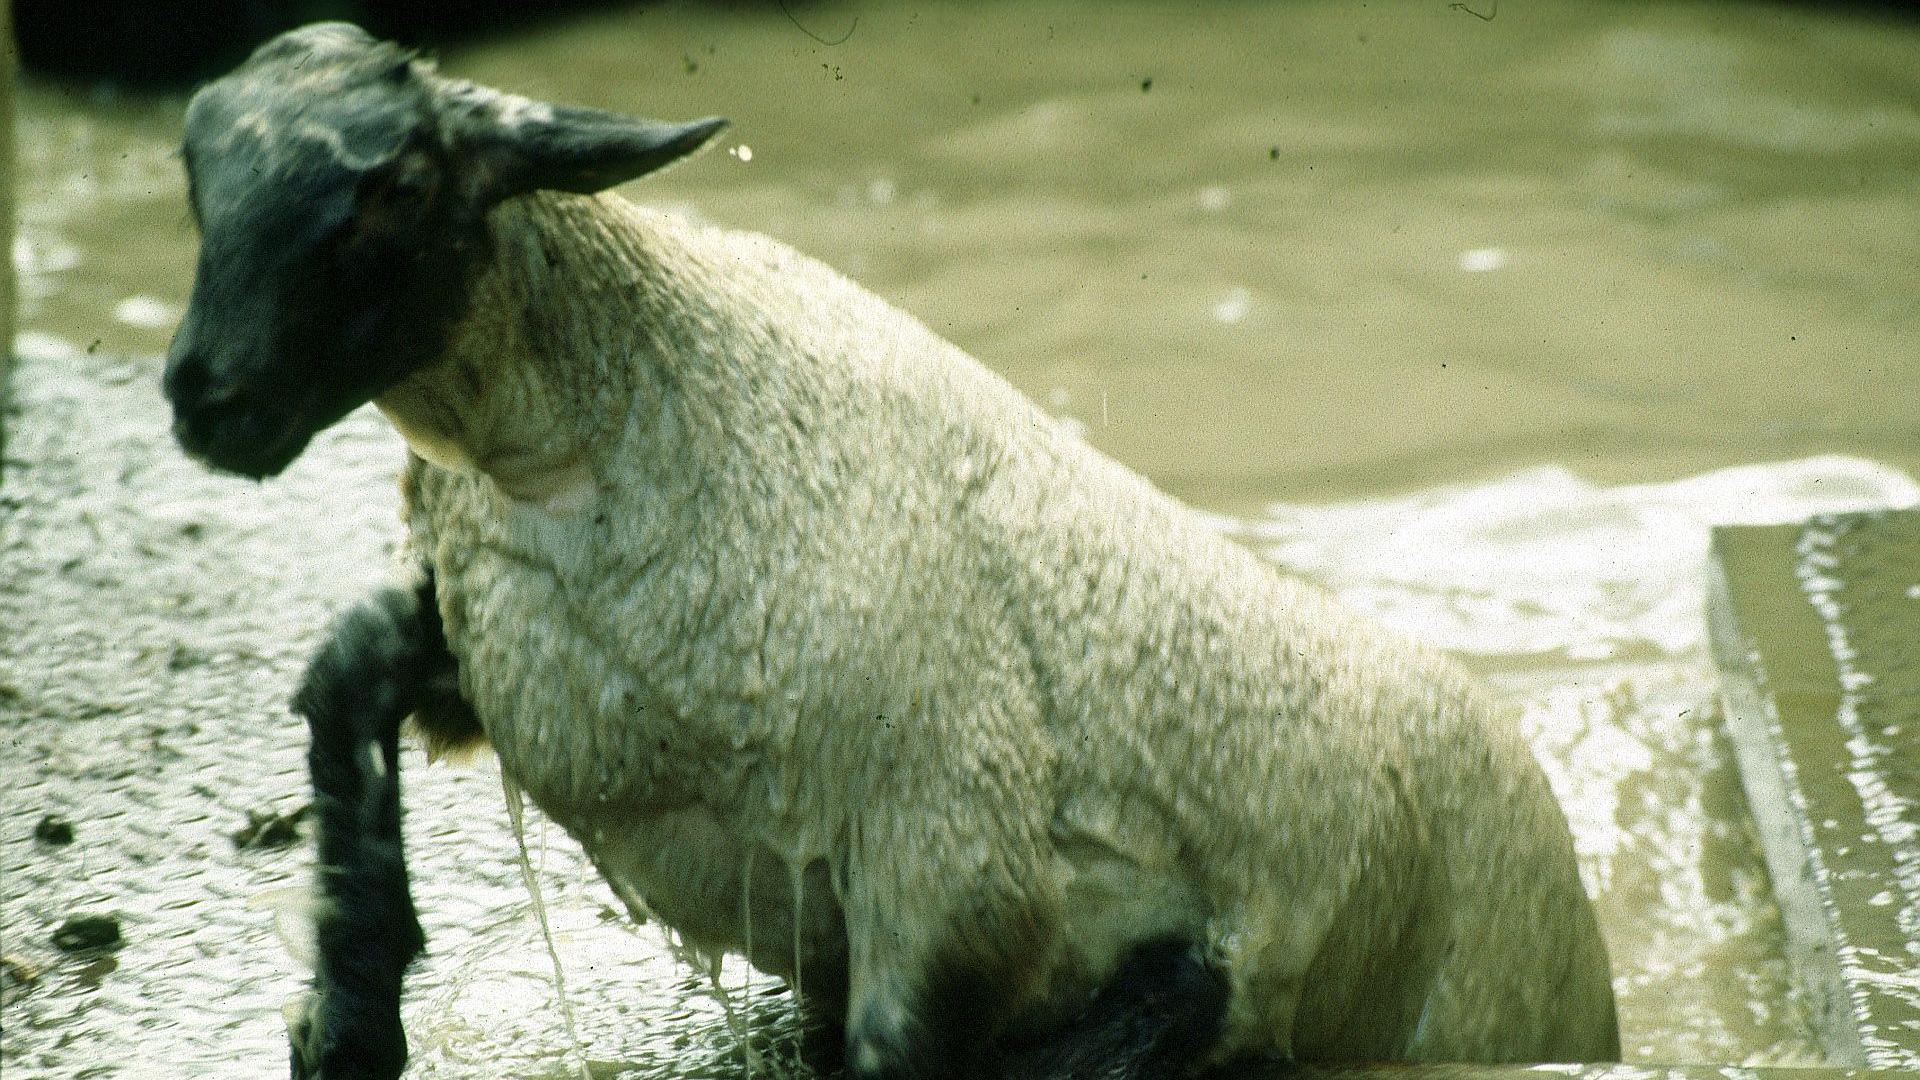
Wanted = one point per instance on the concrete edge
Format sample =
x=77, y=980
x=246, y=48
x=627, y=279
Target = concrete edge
x=1785, y=835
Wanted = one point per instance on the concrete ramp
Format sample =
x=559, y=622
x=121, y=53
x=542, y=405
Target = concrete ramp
x=1816, y=631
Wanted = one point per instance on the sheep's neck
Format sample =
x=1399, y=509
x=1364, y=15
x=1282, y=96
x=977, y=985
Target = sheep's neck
x=531, y=389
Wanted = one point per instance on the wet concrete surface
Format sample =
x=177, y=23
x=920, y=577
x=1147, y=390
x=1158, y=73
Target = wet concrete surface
x=1814, y=628
x=157, y=617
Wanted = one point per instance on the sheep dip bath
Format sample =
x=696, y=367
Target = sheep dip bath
x=160, y=614
x=825, y=644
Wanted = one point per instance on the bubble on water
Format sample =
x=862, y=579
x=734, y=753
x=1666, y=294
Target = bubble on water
x=32, y=258
x=32, y=345
x=1234, y=307
x=1215, y=199
x=1481, y=260
x=145, y=311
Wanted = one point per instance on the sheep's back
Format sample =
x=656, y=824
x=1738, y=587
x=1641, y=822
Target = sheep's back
x=828, y=544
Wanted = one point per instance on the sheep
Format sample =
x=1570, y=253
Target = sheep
x=829, y=647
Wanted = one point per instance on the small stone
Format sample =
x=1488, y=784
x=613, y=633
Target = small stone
x=269, y=831
x=17, y=976
x=183, y=657
x=55, y=830
x=84, y=933
x=19, y=970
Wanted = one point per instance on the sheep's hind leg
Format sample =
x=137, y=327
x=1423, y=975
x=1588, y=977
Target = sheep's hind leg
x=386, y=659
x=1156, y=1017
x=937, y=972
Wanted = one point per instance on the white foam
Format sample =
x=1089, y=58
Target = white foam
x=1543, y=561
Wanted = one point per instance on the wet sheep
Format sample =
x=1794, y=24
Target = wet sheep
x=829, y=646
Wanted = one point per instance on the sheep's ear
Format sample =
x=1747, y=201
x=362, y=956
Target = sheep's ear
x=513, y=145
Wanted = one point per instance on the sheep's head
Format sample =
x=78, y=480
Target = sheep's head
x=341, y=188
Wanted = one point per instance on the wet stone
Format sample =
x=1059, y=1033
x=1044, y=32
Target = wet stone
x=54, y=831
x=87, y=933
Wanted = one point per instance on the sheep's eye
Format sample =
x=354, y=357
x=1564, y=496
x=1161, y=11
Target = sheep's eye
x=392, y=204
x=406, y=185
x=413, y=182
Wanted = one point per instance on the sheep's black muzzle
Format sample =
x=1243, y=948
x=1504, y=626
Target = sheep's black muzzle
x=230, y=425
x=231, y=439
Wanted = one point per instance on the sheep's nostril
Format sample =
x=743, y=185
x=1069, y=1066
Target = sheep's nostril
x=227, y=397
x=184, y=380
x=192, y=384
x=207, y=410
x=197, y=395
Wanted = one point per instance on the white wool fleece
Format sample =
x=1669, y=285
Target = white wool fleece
x=749, y=573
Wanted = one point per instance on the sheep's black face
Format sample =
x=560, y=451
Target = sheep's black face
x=333, y=253
x=342, y=189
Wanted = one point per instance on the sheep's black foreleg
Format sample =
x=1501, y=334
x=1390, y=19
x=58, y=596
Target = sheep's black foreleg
x=1159, y=1015
x=386, y=659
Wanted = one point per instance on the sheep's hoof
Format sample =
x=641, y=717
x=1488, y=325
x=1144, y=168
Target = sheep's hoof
x=331, y=1041
x=885, y=1041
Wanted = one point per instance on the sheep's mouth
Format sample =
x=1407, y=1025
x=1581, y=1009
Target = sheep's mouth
x=245, y=440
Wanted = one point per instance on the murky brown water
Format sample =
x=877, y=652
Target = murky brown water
x=1264, y=253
